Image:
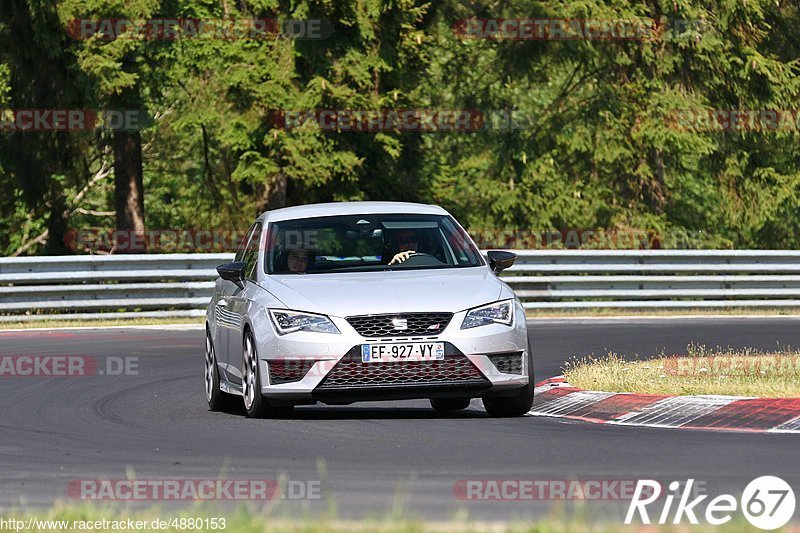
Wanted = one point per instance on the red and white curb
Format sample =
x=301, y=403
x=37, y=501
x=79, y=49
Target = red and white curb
x=555, y=397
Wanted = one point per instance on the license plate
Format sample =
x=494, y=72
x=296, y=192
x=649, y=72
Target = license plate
x=411, y=351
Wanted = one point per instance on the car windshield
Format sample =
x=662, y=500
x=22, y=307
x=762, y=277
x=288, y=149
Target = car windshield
x=360, y=243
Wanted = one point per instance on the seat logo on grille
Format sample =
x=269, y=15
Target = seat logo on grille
x=400, y=324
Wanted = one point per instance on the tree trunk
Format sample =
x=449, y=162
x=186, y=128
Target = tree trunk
x=273, y=193
x=56, y=226
x=129, y=191
x=655, y=188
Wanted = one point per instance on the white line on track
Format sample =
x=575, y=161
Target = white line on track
x=654, y=318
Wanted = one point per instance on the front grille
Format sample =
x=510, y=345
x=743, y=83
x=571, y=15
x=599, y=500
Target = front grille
x=351, y=373
x=288, y=370
x=508, y=363
x=400, y=324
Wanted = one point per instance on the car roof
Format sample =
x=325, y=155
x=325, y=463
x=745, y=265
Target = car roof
x=350, y=208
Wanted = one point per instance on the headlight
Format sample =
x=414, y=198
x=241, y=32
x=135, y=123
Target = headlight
x=291, y=321
x=494, y=313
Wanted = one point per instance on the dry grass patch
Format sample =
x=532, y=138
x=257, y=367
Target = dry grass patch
x=746, y=372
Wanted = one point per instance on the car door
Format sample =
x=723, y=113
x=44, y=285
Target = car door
x=238, y=301
x=228, y=322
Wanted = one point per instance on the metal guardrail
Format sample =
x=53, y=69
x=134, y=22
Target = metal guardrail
x=134, y=286
x=668, y=279
x=33, y=288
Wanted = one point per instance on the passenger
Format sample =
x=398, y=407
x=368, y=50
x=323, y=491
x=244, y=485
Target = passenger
x=298, y=260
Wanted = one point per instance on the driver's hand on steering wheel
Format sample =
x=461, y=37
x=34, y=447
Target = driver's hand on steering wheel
x=402, y=256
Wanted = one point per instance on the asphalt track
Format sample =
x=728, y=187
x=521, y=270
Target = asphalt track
x=372, y=457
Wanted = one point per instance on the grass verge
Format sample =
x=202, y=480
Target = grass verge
x=91, y=518
x=100, y=323
x=720, y=371
x=544, y=313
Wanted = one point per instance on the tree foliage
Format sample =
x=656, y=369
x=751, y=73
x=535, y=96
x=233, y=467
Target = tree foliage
x=593, y=143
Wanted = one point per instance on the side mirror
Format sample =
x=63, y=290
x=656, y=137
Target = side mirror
x=500, y=260
x=232, y=272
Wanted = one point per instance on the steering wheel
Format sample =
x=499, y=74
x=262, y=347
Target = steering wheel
x=419, y=259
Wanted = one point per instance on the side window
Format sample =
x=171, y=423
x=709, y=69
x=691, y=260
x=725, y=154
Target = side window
x=251, y=252
x=243, y=244
x=460, y=247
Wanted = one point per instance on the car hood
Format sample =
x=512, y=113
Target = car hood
x=361, y=293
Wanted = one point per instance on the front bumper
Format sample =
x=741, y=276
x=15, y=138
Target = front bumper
x=487, y=360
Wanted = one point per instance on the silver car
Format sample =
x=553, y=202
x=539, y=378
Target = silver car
x=364, y=301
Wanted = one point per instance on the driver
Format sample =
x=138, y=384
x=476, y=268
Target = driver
x=406, y=242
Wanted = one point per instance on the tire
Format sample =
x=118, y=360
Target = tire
x=448, y=405
x=255, y=405
x=516, y=405
x=217, y=400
